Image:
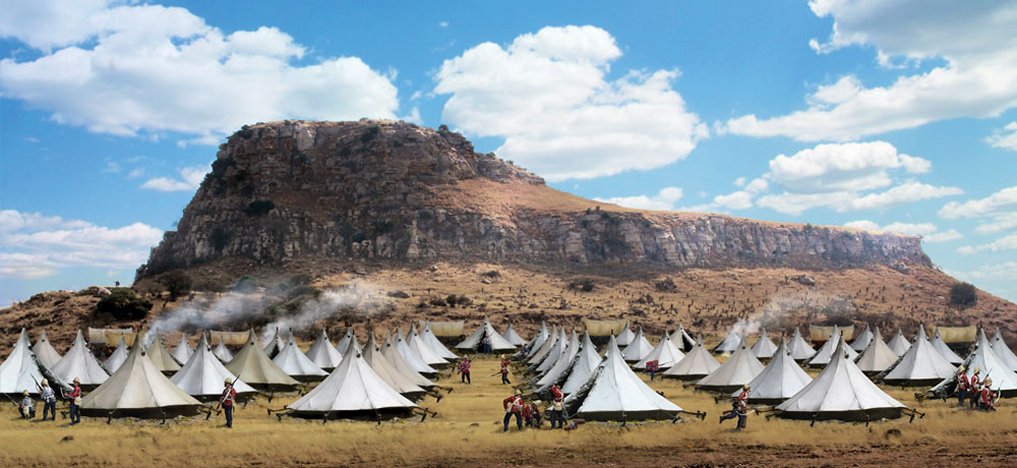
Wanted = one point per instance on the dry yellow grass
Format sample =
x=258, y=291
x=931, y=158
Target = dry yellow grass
x=468, y=431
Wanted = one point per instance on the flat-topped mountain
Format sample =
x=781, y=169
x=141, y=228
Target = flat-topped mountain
x=394, y=192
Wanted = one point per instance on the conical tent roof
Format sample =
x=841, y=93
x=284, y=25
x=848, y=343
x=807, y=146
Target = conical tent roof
x=258, y=370
x=841, y=391
x=740, y=369
x=682, y=339
x=616, y=393
x=986, y=360
x=411, y=357
x=274, y=344
x=779, y=380
x=696, y=364
x=21, y=370
x=351, y=389
x=638, y=348
x=45, y=352
x=554, y=374
x=428, y=336
x=899, y=344
x=862, y=340
x=423, y=351
x=162, y=359
x=877, y=357
x=921, y=364
x=541, y=353
x=584, y=364
x=203, y=375
x=182, y=353
x=511, y=336
x=222, y=353
x=117, y=358
x=626, y=336
x=822, y=356
x=81, y=363
x=138, y=389
x=399, y=363
x=764, y=347
x=799, y=348
x=296, y=364
x=538, y=340
x=730, y=343
x=381, y=365
x=1003, y=351
x=346, y=341
x=941, y=346
x=323, y=354
x=486, y=331
x=666, y=354
x=557, y=351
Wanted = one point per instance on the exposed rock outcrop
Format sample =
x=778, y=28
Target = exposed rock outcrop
x=393, y=191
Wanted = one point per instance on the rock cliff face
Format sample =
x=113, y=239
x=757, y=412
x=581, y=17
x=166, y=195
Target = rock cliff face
x=393, y=191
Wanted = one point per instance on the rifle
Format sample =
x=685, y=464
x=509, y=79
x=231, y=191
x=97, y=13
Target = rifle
x=218, y=406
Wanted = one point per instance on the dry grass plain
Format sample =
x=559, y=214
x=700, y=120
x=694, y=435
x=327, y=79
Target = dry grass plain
x=468, y=432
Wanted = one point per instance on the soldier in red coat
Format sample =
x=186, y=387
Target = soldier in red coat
x=505, y=371
x=75, y=402
x=739, y=408
x=987, y=397
x=652, y=367
x=962, y=385
x=514, y=406
x=557, y=412
x=974, y=388
x=229, y=395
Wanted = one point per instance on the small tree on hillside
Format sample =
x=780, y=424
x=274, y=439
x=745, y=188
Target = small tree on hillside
x=124, y=304
x=177, y=283
x=963, y=295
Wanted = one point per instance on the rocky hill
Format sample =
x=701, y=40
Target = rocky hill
x=399, y=193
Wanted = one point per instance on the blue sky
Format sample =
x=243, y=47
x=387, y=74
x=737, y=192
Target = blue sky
x=891, y=115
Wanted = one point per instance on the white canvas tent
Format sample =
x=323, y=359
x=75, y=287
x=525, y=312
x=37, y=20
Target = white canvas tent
x=323, y=354
x=877, y=357
x=139, y=389
x=222, y=353
x=825, y=353
x=557, y=351
x=800, y=349
x=862, y=340
x=182, y=353
x=666, y=354
x=512, y=337
x=730, y=343
x=486, y=332
x=45, y=352
x=395, y=379
x=944, y=349
x=615, y=393
x=764, y=347
x=696, y=364
x=346, y=341
x=399, y=364
x=352, y=390
x=537, y=341
x=740, y=369
x=779, y=380
x=162, y=359
x=537, y=356
x=117, y=358
x=920, y=365
x=637, y=348
x=986, y=360
x=584, y=364
x=424, y=351
x=1003, y=351
x=81, y=363
x=899, y=344
x=840, y=392
x=411, y=357
x=21, y=370
x=258, y=370
x=626, y=336
x=296, y=364
x=436, y=345
x=274, y=344
x=554, y=374
x=682, y=339
x=203, y=376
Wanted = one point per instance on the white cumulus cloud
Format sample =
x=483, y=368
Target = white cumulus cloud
x=130, y=69
x=36, y=246
x=1001, y=202
x=665, y=199
x=1005, y=138
x=190, y=178
x=973, y=40
x=928, y=231
x=1008, y=242
x=548, y=96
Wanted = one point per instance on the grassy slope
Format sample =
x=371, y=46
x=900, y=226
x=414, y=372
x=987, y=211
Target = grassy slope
x=468, y=431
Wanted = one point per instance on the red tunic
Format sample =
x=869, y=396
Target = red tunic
x=228, y=396
x=516, y=403
x=962, y=382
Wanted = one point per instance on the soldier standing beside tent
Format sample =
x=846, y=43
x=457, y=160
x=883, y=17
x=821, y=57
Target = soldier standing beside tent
x=26, y=407
x=974, y=388
x=229, y=395
x=75, y=402
x=962, y=385
x=464, y=369
x=739, y=408
x=513, y=406
x=652, y=367
x=48, y=400
x=505, y=371
x=557, y=413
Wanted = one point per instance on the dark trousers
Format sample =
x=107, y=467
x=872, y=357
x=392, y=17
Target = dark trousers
x=466, y=377
x=652, y=375
x=519, y=421
x=504, y=378
x=735, y=414
x=962, y=394
x=49, y=407
x=75, y=414
x=229, y=415
x=974, y=399
x=27, y=412
x=557, y=419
